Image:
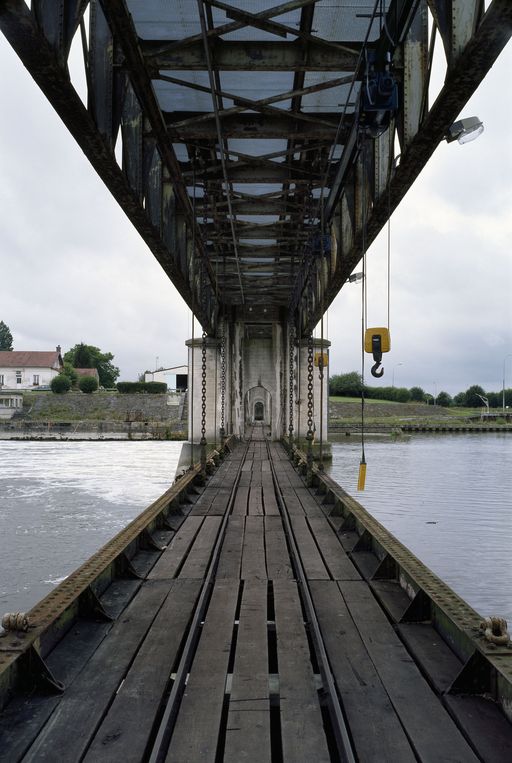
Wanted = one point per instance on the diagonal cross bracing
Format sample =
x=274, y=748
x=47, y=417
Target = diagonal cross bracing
x=262, y=108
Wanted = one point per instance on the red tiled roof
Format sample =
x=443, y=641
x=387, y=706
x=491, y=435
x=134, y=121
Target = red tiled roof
x=20, y=359
x=88, y=372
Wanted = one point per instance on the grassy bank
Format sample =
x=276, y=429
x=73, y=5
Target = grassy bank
x=347, y=411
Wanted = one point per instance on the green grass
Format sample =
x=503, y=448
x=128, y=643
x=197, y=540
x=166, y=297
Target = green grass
x=369, y=401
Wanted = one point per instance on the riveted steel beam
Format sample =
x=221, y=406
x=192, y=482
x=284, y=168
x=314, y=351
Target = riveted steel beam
x=265, y=126
x=249, y=56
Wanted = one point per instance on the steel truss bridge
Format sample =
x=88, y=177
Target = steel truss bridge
x=249, y=614
x=255, y=146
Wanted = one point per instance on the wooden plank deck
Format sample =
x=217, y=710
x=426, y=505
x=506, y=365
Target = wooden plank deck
x=254, y=690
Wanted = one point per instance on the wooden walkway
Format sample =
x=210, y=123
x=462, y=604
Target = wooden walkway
x=254, y=690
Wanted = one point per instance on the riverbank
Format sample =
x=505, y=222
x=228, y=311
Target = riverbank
x=111, y=416
x=386, y=417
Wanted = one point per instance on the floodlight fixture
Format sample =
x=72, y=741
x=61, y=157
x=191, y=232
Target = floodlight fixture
x=355, y=278
x=464, y=130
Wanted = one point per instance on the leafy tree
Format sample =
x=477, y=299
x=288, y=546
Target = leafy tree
x=346, y=385
x=82, y=356
x=88, y=384
x=472, y=396
x=460, y=399
x=70, y=372
x=444, y=399
x=402, y=395
x=95, y=358
x=60, y=384
x=417, y=394
x=5, y=337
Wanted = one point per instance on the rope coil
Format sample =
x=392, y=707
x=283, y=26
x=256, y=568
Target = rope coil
x=495, y=629
x=15, y=621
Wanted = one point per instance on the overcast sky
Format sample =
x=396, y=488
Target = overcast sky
x=72, y=268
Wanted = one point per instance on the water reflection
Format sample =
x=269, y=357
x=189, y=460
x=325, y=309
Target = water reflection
x=448, y=499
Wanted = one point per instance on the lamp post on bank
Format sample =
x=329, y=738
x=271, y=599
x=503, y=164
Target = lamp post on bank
x=504, y=363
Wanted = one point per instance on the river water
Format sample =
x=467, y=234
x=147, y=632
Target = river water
x=61, y=501
x=446, y=497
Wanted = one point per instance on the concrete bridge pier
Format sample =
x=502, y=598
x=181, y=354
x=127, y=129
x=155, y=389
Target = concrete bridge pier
x=257, y=383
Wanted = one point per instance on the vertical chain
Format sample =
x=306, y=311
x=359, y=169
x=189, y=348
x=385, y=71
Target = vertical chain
x=291, y=336
x=310, y=432
x=204, y=305
x=222, y=382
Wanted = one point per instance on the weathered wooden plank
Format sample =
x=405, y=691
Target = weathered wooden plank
x=24, y=717
x=278, y=558
x=253, y=554
x=231, y=552
x=241, y=500
x=434, y=656
x=302, y=734
x=269, y=501
x=220, y=502
x=311, y=507
x=203, y=504
x=312, y=561
x=409, y=692
x=255, y=505
x=85, y=702
x=485, y=725
x=245, y=479
x=375, y=729
x=172, y=558
x=294, y=506
x=200, y=554
x=125, y=731
x=248, y=726
x=334, y=556
x=196, y=732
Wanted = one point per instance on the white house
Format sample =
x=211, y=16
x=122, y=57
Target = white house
x=176, y=377
x=10, y=403
x=26, y=370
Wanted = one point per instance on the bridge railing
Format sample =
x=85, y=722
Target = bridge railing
x=411, y=593
x=23, y=652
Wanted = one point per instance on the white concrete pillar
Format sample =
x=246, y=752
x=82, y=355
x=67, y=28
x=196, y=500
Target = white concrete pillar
x=301, y=390
x=195, y=347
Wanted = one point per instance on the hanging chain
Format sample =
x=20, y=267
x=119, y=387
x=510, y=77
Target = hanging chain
x=222, y=381
x=310, y=432
x=204, y=305
x=291, y=336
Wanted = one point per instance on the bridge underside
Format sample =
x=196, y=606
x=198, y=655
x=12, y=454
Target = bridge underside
x=251, y=143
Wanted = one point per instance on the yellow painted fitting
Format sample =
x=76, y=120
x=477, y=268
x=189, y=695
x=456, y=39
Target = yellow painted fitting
x=385, y=339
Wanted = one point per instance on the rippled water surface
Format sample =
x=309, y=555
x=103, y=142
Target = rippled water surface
x=449, y=499
x=61, y=501
x=446, y=497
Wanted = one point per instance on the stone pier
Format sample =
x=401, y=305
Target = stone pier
x=257, y=381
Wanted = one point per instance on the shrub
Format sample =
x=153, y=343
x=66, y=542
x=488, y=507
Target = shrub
x=88, y=384
x=151, y=387
x=155, y=388
x=60, y=384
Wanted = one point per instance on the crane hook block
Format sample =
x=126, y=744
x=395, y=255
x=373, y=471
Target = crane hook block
x=377, y=341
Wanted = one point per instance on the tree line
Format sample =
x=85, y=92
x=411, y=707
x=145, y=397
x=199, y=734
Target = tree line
x=351, y=385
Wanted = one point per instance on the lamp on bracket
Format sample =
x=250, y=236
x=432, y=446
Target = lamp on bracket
x=464, y=130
